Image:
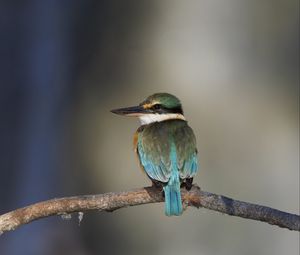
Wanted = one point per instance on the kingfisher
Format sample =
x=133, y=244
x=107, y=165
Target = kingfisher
x=165, y=145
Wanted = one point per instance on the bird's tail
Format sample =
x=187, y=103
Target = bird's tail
x=173, y=204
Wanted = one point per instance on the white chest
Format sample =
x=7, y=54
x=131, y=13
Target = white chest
x=150, y=118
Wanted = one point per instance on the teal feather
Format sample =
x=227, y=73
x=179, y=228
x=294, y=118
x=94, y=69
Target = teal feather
x=190, y=167
x=167, y=152
x=173, y=204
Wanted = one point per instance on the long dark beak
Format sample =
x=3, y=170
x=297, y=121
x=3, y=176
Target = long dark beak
x=130, y=111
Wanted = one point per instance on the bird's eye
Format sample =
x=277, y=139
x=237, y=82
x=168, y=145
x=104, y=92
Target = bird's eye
x=156, y=106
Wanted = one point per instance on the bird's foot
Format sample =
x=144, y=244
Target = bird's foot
x=188, y=184
x=158, y=185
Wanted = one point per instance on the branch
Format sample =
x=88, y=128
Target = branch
x=113, y=201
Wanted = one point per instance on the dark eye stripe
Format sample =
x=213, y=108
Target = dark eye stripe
x=161, y=109
x=157, y=106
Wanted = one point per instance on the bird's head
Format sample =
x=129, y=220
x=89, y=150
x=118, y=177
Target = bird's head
x=155, y=108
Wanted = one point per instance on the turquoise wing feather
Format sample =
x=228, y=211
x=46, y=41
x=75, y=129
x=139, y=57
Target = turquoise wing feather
x=190, y=167
x=187, y=161
x=167, y=172
x=167, y=151
x=154, y=147
x=155, y=166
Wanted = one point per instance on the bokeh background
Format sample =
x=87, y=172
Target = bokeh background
x=65, y=64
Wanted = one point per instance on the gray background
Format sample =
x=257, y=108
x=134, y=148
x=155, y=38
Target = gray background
x=65, y=64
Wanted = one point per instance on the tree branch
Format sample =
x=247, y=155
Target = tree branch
x=113, y=201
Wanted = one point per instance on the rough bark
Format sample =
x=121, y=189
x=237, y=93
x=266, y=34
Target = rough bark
x=113, y=201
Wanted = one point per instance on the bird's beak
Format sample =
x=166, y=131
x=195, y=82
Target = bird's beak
x=133, y=111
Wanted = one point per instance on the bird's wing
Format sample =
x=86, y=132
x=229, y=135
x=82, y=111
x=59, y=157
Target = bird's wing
x=187, y=160
x=153, y=148
x=155, y=153
x=156, y=165
x=190, y=167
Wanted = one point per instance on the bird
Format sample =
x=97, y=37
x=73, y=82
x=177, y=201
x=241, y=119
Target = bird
x=165, y=145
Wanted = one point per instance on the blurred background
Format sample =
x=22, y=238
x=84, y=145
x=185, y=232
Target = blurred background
x=65, y=64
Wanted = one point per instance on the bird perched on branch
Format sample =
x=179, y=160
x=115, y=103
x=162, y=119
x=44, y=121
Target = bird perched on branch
x=166, y=146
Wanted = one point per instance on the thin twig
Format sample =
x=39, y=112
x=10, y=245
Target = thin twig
x=113, y=201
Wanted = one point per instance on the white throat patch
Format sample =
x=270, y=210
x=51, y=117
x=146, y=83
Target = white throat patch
x=152, y=117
